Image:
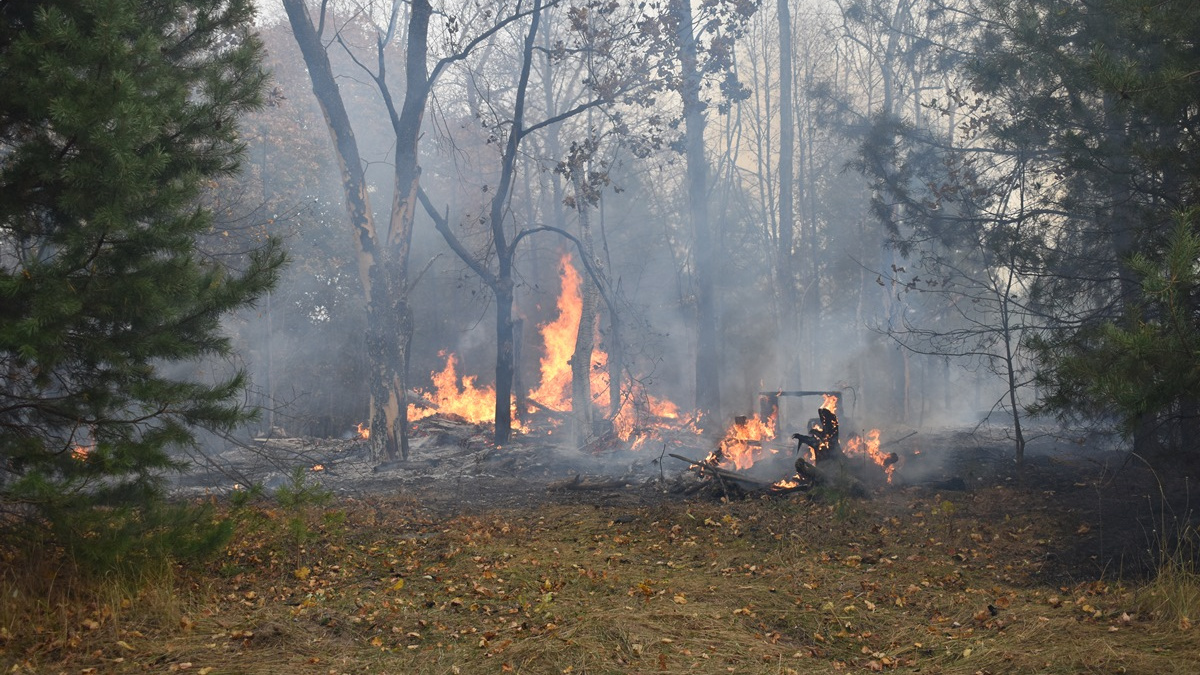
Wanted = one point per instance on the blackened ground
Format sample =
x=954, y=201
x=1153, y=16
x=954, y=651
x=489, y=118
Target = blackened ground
x=1117, y=515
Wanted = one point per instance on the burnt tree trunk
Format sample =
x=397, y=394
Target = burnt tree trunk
x=585, y=335
x=382, y=262
x=503, y=286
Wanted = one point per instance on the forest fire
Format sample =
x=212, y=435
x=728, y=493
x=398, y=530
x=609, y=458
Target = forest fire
x=558, y=346
x=642, y=417
x=639, y=416
x=747, y=442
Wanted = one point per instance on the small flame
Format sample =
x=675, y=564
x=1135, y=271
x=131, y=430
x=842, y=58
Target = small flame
x=364, y=433
x=785, y=484
x=80, y=453
x=318, y=467
x=830, y=403
x=869, y=447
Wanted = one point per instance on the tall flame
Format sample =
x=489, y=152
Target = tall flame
x=639, y=416
x=558, y=339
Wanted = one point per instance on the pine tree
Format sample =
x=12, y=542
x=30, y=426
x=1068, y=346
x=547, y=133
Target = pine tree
x=1103, y=95
x=1146, y=363
x=116, y=114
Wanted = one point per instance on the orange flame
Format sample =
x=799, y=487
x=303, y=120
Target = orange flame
x=639, y=417
x=869, y=447
x=80, y=453
x=830, y=403
x=364, y=433
x=742, y=445
x=452, y=396
x=644, y=416
x=558, y=340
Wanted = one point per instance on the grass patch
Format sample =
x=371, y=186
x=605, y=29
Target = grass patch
x=909, y=582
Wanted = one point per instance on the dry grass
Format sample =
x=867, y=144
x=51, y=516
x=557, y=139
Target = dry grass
x=910, y=581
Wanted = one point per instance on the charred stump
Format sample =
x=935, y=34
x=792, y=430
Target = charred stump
x=822, y=439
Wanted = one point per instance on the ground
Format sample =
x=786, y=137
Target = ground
x=468, y=563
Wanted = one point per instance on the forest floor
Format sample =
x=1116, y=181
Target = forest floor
x=486, y=571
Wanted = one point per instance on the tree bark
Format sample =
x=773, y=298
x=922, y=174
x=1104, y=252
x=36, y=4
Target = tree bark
x=503, y=286
x=581, y=360
x=382, y=263
x=708, y=382
x=789, y=317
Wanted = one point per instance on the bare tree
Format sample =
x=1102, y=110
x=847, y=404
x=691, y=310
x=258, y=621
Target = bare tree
x=501, y=247
x=383, y=257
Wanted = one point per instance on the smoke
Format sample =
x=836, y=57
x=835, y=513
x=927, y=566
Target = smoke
x=305, y=351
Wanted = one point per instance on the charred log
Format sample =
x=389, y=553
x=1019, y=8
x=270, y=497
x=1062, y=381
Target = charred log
x=579, y=482
x=834, y=475
x=823, y=438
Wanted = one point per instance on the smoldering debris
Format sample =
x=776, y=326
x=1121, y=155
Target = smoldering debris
x=456, y=464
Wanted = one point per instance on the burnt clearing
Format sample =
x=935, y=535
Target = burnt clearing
x=1123, y=510
x=529, y=559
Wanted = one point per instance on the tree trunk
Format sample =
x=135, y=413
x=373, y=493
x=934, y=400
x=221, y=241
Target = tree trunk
x=789, y=317
x=581, y=360
x=708, y=383
x=382, y=263
x=504, y=353
x=503, y=286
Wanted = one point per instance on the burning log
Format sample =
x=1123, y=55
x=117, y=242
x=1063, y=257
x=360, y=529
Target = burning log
x=704, y=468
x=768, y=403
